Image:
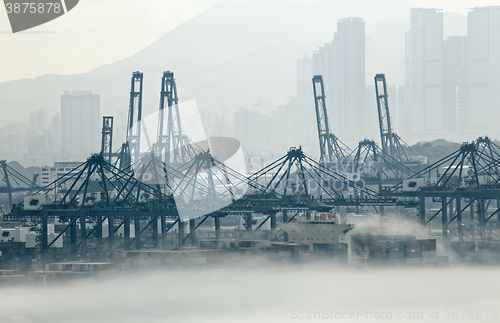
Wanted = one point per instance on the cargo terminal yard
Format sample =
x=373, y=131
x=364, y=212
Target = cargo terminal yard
x=180, y=203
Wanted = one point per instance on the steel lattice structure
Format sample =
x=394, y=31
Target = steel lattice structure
x=391, y=144
x=173, y=180
x=172, y=144
x=374, y=165
x=469, y=174
x=330, y=147
x=15, y=182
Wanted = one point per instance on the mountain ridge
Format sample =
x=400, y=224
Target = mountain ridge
x=230, y=55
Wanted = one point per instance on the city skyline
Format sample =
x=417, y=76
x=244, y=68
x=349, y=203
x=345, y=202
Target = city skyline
x=450, y=81
x=424, y=58
x=445, y=90
x=75, y=31
x=295, y=140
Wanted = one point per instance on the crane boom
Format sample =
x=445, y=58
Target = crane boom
x=330, y=147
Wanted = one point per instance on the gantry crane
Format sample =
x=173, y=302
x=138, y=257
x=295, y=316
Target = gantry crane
x=107, y=138
x=135, y=116
x=330, y=147
x=392, y=144
x=130, y=151
x=172, y=145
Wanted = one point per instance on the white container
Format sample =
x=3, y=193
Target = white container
x=31, y=240
x=35, y=202
x=10, y=235
x=412, y=185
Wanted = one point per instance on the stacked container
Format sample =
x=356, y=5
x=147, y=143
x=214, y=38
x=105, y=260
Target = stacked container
x=377, y=249
x=428, y=247
x=413, y=253
x=393, y=249
x=337, y=251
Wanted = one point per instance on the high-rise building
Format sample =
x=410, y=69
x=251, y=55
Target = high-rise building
x=323, y=64
x=80, y=125
x=60, y=169
x=342, y=64
x=371, y=68
x=424, y=59
x=304, y=76
x=483, y=32
x=402, y=124
x=349, y=79
x=455, y=89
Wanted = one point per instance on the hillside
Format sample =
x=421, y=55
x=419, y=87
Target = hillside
x=231, y=55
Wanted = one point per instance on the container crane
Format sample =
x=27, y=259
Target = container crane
x=331, y=148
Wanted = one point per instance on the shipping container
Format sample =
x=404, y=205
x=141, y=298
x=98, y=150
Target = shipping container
x=393, y=255
x=412, y=246
x=339, y=252
x=342, y=246
x=413, y=255
x=395, y=246
x=413, y=261
x=427, y=244
x=396, y=261
x=429, y=260
x=400, y=238
x=429, y=253
x=463, y=246
x=488, y=246
x=378, y=246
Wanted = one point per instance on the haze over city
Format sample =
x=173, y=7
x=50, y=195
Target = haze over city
x=249, y=160
x=238, y=67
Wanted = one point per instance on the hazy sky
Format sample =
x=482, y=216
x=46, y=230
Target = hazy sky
x=99, y=32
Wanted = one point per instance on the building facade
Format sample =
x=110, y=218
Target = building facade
x=59, y=170
x=342, y=64
x=455, y=89
x=349, y=78
x=483, y=30
x=424, y=60
x=304, y=77
x=80, y=125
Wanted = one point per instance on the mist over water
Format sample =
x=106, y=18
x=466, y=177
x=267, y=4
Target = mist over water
x=262, y=294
